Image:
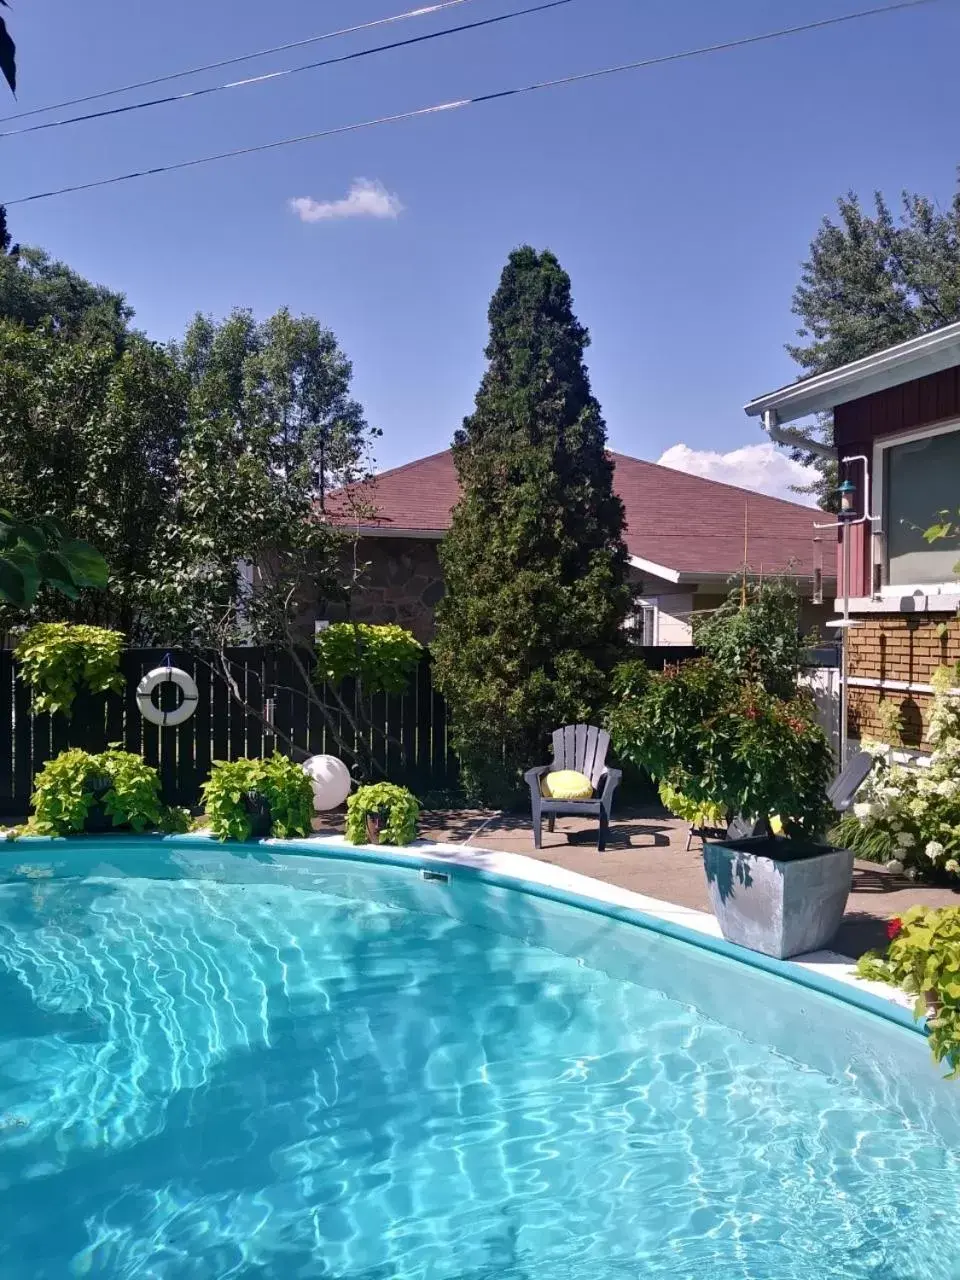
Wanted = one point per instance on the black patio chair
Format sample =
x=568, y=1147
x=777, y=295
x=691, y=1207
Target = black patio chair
x=582, y=747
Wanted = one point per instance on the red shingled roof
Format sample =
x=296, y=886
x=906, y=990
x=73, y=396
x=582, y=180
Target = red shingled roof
x=682, y=522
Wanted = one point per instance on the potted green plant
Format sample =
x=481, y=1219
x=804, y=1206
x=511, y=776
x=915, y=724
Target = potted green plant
x=79, y=791
x=249, y=799
x=763, y=762
x=382, y=813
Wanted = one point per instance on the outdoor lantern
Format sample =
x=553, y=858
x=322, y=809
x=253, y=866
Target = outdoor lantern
x=331, y=781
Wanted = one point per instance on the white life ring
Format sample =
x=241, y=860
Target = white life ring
x=167, y=675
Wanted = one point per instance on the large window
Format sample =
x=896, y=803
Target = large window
x=919, y=477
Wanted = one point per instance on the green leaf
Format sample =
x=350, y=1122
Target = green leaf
x=56, y=574
x=87, y=566
x=13, y=588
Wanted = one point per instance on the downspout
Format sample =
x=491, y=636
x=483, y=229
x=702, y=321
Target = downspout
x=793, y=439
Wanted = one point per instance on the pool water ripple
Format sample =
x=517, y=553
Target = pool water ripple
x=214, y=1080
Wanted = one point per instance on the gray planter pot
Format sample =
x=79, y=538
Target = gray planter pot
x=775, y=896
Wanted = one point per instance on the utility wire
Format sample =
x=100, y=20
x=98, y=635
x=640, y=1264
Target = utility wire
x=470, y=102
x=291, y=71
x=232, y=62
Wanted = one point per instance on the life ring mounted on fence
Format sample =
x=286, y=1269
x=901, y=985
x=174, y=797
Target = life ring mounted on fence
x=167, y=675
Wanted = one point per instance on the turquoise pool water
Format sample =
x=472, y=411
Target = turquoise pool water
x=256, y=1066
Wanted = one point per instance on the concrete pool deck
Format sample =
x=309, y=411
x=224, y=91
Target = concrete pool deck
x=646, y=854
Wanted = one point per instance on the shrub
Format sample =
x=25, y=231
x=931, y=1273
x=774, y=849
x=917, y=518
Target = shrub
x=382, y=658
x=278, y=780
x=68, y=787
x=912, y=815
x=695, y=812
x=728, y=746
x=755, y=635
x=534, y=563
x=57, y=659
x=400, y=805
x=923, y=958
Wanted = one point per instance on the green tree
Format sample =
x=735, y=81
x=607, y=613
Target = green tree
x=754, y=637
x=534, y=562
x=8, y=53
x=38, y=291
x=90, y=438
x=872, y=280
x=248, y=557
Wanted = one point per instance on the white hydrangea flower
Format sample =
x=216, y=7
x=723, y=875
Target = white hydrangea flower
x=865, y=810
x=952, y=865
x=934, y=850
x=917, y=808
x=948, y=788
x=895, y=866
x=906, y=839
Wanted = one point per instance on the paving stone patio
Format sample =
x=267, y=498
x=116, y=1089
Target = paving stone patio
x=646, y=852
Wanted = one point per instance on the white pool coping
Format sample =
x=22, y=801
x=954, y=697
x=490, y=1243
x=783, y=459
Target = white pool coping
x=518, y=866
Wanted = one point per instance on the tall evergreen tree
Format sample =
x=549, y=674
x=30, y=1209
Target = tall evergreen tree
x=534, y=563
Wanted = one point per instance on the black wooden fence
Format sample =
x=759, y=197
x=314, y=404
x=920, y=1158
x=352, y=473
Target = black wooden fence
x=412, y=746
x=409, y=739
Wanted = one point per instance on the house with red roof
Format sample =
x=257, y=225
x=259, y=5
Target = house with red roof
x=686, y=538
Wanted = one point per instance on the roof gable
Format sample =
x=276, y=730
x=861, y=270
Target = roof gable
x=684, y=523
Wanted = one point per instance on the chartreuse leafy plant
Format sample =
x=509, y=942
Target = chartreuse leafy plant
x=383, y=658
x=923, y=959
x=57, y=659
x=278, y=780
x=400, y=806
x=69, y=786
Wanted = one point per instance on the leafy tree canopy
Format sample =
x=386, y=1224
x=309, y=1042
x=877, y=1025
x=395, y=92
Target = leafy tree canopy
x=873, y=279
x=38, y=291
x=534, y=562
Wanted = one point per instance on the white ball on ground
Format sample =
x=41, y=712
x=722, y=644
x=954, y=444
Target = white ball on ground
x=331, y=781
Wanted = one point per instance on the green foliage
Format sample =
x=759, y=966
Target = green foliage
x=400, y=805
x=695, y=812
x=383, y=658
x=38, y=292
x=534, y=563
x=948, y=526
x=279, y=780
x=755, y=635
x=873, y=280
x=912, y=815
x=271, y=428
x=728, y=746
x=923, y=959
x=57, y=659
x=89, y=438
x=69, y=786
x=43, y=554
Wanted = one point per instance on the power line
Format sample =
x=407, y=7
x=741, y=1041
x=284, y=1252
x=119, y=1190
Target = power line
x=291, y=71
x=470, y=102
x=232, y=62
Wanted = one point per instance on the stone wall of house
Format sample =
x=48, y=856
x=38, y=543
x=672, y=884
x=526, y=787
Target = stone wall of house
x=898, y=647
x=403, y=583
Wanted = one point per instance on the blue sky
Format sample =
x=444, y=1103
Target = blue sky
x=681, y=199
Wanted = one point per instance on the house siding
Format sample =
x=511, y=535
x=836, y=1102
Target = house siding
x=903, y=648
x=857, y=426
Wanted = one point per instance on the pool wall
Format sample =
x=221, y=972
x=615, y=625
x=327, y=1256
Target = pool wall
x=811, y=1019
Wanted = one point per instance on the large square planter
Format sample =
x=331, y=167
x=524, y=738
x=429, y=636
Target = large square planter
x=779, y=897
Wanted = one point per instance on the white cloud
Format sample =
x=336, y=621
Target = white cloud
x=761, y=467
x=365, y=199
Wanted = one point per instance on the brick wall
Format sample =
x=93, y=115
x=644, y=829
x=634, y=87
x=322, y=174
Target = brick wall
x=902, y=647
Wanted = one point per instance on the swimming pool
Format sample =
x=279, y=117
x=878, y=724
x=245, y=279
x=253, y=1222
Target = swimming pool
x=260, y=1063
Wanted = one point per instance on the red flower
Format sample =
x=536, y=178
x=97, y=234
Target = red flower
x=893, y=927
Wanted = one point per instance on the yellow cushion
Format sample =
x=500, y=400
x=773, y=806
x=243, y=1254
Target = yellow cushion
x=566, y=784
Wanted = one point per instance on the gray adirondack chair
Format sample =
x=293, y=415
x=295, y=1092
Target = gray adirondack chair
x=582, y=747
